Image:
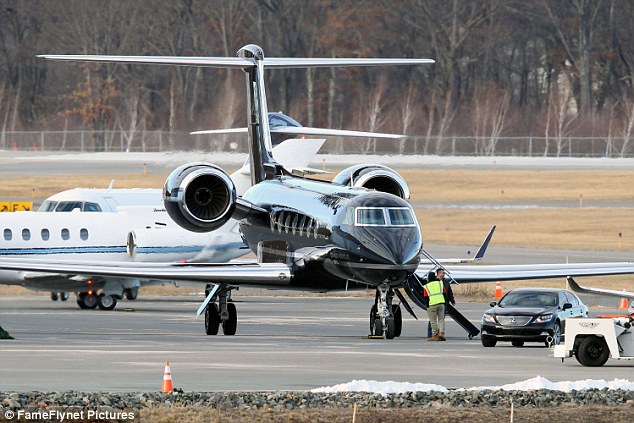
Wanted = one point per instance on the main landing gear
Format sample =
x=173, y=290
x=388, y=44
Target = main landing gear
x=222, y=313
x=59, y=296
x=385, y=318
x=87, y=300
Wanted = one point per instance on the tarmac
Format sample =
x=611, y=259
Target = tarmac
x=282, y=343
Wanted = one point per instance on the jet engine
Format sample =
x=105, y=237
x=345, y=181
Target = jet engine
x=199, y=196
x=376, y=177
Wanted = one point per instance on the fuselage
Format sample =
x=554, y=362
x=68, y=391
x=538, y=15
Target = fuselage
x=333, y=234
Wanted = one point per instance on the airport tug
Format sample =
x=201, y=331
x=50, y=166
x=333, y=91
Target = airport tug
x=593, y=341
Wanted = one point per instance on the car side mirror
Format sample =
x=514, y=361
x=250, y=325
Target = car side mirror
x=566, y=306
x=492, y=303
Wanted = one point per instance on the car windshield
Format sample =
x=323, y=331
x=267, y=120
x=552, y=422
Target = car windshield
x=529, y=299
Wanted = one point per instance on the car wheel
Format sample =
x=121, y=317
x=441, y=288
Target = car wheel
x=556, y=334
x=593, y=352
x=517, y=343
x=488, y=342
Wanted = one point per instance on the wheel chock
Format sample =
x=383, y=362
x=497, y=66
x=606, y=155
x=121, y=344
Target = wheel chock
x=374, y=337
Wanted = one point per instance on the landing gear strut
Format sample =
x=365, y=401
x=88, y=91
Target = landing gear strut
x=385, y=318
x=224, y=313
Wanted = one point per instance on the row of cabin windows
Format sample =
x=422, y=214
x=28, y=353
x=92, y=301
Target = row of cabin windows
x=45, y=234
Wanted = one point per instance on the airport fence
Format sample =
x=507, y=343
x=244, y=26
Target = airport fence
x=158, y=141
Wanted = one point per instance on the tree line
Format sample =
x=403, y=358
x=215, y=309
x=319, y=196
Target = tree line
x=504, y=68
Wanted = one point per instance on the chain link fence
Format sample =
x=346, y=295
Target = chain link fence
x=157, y=141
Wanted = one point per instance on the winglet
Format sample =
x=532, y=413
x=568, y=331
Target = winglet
x=575, y=287
x=480, y=253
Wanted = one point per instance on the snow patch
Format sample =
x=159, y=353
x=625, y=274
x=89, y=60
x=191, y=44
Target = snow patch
x=538, y=382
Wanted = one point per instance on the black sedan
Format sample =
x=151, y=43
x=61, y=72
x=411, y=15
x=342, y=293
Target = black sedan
x=530, y=315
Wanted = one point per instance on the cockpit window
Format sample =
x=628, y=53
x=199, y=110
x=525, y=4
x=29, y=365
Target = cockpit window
x=92, y=207
x=66, y=206
x=400, y=217
x=48, y=206
x=370, y=217
x=384, y=216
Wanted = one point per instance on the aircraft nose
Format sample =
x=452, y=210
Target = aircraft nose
x=396, y=246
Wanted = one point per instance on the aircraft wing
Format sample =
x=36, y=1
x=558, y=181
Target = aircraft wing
x=575, y=287
x=275, y=275
x=499, y=273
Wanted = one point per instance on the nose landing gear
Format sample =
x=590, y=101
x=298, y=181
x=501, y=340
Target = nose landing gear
x=386, y=319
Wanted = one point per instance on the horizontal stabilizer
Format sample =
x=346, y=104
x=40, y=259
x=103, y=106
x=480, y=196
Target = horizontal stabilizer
x=211, y=62
x=292, y=62
x=305, y=130
x=236, y=62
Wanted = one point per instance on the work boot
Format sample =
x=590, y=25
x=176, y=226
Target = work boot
x=441, y=336
x=434, y=338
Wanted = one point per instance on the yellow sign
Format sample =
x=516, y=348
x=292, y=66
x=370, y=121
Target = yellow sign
x=13, y=206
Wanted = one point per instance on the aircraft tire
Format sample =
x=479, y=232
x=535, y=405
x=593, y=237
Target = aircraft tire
x=212, y=319
x=373, y=313
x=80, y=300
x=90, y=301
x=131, y=293
x=106, y=302
x=230, y=326
x=398, y=320
x=488, y=342
x=64, y=296
x=86, y=301
x=54, y=296
x=593, y=352
x=517, y=343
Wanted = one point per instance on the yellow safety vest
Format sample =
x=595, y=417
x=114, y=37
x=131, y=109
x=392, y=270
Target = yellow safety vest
x=434, y=291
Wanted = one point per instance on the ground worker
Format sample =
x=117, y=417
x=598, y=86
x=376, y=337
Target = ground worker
x=434, y=293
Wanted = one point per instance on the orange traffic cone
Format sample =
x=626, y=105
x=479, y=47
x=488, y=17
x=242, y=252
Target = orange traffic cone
x=498, y=291
x=623, y=305
x=167, y=379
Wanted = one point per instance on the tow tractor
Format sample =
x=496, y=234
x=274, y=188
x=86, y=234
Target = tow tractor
x=593, y=341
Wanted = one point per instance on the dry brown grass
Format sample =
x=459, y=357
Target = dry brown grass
x=40, y=187
x=580, y=414
x=460, y=184
x=562, y=228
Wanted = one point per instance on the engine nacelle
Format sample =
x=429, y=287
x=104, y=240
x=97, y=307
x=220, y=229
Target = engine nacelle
x=376, y=177
x=200, y=197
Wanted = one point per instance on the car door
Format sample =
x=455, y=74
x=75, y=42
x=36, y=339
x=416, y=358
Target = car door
x=565, y=314
x=579, y=308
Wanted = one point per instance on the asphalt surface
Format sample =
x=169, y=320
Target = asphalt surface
x=282, y=343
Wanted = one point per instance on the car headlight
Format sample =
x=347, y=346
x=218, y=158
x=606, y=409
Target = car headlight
x=488, y=318
x=544, y=318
